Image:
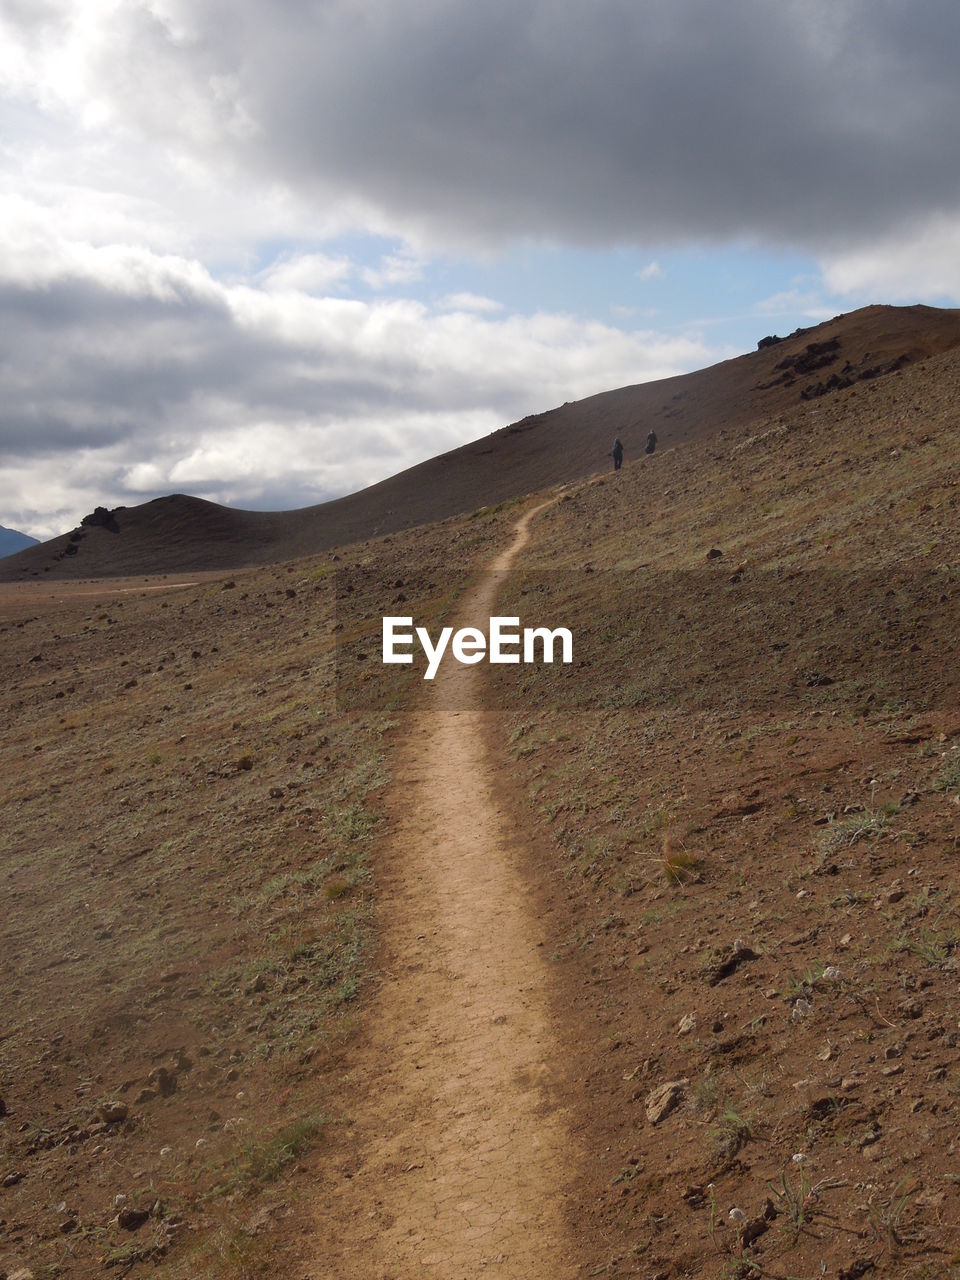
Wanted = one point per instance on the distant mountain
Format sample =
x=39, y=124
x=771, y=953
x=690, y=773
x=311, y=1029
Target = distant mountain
x=178, y=534
x=11, y=541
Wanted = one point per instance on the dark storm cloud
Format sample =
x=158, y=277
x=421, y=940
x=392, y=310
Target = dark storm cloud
x=615, y=120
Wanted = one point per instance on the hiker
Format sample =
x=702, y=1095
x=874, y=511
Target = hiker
x=651, y=442
x=617, y=454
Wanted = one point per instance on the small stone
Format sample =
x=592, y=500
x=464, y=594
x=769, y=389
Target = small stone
x=21, y=1273
x=801, y=1009
x=145, y=1095
x=114, y=1112
x=831, y=973
x=11, y=1179
x=845, y=940
x=165, y=1151
x=896, y=1069
x=132, y=1219
x=662, y=1100
x=687, y=1024
x=164, y=1080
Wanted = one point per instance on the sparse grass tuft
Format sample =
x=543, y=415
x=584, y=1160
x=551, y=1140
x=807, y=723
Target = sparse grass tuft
x=263, y=1161
x=860, y=826
x=948, y=779
x=679, y=866
x=732, y=1133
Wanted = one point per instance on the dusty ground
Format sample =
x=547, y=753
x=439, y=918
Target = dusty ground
x=733, y=827
x=460, y=1158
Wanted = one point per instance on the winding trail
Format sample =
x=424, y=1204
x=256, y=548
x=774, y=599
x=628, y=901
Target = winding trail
x=460, y=1154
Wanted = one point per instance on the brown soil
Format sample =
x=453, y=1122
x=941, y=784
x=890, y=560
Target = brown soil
x=183, y=534
x=733, y=826
x=459, y=1158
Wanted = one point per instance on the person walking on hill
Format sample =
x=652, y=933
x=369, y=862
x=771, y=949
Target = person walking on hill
x=617, y=454
x=651, y=442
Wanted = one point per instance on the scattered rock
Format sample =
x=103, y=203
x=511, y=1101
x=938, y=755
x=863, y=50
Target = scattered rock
x=114, y=1112
x=164, y=1079
x=911, y=1007
x=145, y=1095
x=714, y=553
x=856, y=1269
x=755, y=1228
x=11, y=1179
x=132, y=1219
x=737, y=955
x=662, y=1100
x=687, y=1024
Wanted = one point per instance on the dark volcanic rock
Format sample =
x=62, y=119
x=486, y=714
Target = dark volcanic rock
x=103, y=519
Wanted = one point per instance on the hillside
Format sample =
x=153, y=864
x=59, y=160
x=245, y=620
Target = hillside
x=563, y=445
x=12, y=540
x=650, y=961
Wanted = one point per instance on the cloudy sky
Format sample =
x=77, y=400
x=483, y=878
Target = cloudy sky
x=269, y=252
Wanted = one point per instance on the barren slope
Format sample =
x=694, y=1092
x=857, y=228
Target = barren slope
x=178, y=533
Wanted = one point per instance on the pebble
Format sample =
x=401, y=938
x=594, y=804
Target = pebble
x=687, y=1024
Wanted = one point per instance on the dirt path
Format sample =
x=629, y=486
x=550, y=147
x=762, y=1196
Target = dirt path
x=460, y=1151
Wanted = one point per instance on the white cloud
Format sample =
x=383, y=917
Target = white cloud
x=394, y=269
x=652, y=271
x=131, y=373
x=807, y=303
x=306, y=273
x=467, y=301
x=920, y=262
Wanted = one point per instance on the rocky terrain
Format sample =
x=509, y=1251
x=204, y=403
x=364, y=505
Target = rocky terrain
x=734, y=825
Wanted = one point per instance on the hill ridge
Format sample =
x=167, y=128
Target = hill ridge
x=178, y=533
